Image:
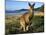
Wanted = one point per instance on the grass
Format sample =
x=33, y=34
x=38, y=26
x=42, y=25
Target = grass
x=38, y=24
x=11, y=23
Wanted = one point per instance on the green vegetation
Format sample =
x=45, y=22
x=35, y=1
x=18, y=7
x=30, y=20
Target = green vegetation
x=37, y=24
x=11, y=24
x=40, y=8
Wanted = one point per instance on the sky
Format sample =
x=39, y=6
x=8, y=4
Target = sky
x=16, y=5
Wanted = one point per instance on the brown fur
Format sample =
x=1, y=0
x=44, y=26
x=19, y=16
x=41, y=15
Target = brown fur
x=24, y=19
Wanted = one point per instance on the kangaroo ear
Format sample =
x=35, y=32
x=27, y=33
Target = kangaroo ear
x=33, y=4
x=29, y=4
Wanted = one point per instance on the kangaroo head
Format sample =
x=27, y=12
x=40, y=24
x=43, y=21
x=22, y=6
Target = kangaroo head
x=31, y=6
x=31, y=10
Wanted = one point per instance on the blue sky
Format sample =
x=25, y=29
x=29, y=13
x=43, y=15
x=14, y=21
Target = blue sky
x=16, y=5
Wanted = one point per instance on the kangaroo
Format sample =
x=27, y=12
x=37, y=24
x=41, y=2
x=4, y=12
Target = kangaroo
x=26, y=17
